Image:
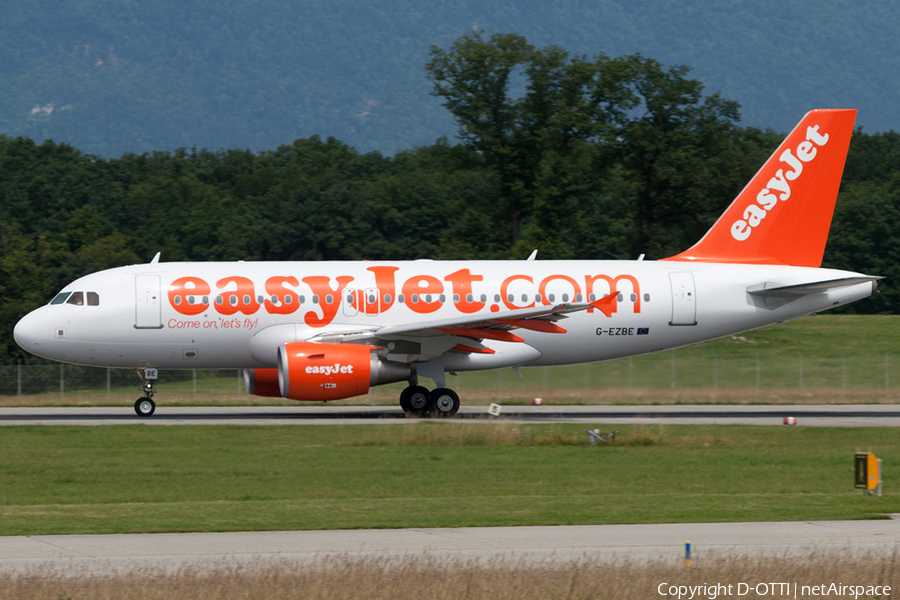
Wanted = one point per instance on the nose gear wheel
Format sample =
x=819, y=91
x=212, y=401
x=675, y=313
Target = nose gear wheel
x=144, y=407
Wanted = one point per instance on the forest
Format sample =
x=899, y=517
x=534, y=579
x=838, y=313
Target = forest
x=582, y=158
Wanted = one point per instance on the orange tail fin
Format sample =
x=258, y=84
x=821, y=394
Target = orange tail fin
x=783, y=215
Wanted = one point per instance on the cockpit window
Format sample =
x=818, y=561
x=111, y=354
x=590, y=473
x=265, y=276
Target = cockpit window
x=60, y=298
x=77, y=299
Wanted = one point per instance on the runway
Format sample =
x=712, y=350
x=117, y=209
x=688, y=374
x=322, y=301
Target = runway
x=860, y=415
x=110, y=553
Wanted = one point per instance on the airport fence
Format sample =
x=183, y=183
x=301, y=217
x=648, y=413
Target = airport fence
x=671, y=371
x=24, y=380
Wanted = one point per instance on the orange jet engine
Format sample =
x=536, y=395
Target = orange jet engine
x=313, y=371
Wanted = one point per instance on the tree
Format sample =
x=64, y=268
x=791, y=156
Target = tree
x=865, y=237
x=517, y=105
x=683, y=149
x=553, y=144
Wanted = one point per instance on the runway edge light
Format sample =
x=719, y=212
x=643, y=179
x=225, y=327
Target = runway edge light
x=867, y=472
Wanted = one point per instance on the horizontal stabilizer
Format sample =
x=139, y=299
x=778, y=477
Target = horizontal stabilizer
x=776, y=290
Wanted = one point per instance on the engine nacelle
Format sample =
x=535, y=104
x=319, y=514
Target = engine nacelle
x=262, y=382
x=313, y=371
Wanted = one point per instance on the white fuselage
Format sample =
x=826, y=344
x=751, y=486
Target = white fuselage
x=146, y=315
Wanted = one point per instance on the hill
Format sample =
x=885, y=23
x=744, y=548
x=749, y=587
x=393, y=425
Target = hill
x=110, y=77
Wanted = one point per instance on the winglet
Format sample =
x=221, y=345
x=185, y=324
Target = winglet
x=783, y=215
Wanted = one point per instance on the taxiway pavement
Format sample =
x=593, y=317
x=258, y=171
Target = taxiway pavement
x=121, y=552
x=857, y=415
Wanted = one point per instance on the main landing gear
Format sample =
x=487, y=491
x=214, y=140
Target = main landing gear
x=144, y=407
x=417, y=401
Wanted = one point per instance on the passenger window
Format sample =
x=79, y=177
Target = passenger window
x=315, y=299
x=77, y=299
x=387, y=298
x=646, y=297
x=329, y=299
x=401, y=299
x=60, y=298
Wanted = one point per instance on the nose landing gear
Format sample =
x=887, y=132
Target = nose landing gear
x=144, y=407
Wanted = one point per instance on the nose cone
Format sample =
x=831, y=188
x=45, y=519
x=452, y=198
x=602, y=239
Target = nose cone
x=28, y=333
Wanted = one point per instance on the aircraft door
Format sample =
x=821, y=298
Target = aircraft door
x=147, y=309
x=372, y=301
x=684, y=298
x=351, y=302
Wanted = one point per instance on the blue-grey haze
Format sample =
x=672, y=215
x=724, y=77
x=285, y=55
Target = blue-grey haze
x=114, y=76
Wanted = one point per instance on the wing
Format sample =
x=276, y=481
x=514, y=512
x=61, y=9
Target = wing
x=465, y=333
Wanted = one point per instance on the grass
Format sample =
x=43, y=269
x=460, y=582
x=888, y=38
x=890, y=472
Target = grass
x=837, y=359
x=429, y=577
x=168, y=479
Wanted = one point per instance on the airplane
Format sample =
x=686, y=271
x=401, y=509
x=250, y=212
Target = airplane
x=322, y=331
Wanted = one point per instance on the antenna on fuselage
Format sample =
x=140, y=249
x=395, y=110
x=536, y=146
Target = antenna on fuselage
x=533, y=254
x=155, y=258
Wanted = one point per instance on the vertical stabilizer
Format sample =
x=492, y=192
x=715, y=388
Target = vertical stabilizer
x=783, y=215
